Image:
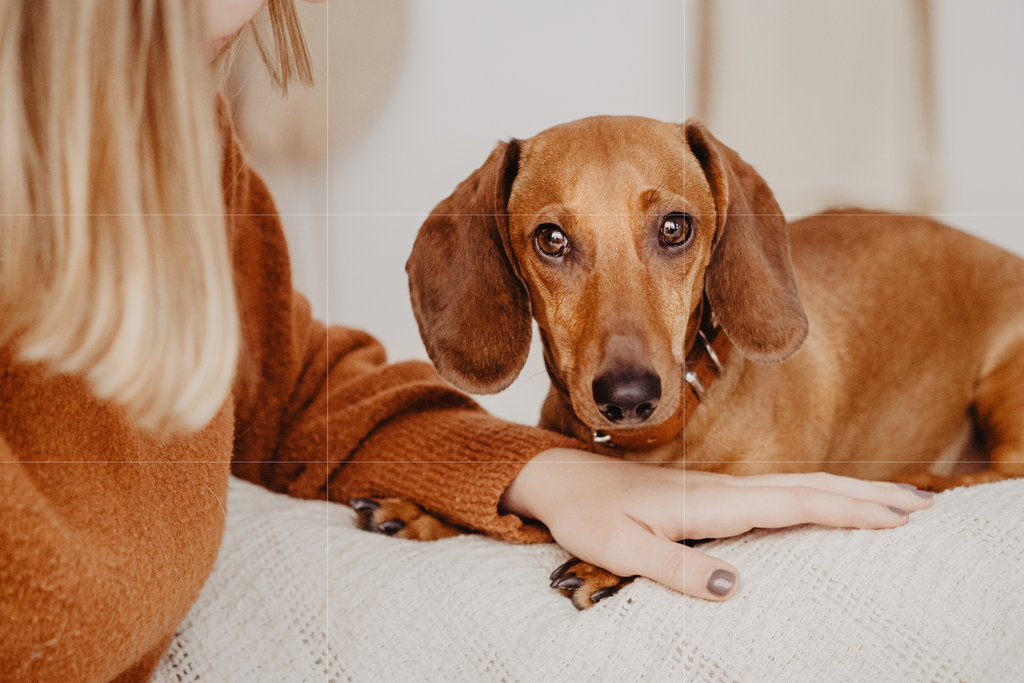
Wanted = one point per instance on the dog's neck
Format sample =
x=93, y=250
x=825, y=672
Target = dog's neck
x=707, y=348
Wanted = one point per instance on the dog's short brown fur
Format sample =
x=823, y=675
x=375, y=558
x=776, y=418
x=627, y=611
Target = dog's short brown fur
x=870, y=345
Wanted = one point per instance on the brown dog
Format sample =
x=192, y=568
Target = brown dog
x=669, y=291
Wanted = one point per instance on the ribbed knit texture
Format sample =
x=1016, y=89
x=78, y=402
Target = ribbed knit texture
x=398, y=430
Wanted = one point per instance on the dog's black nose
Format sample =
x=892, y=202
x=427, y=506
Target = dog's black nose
x=627, y=397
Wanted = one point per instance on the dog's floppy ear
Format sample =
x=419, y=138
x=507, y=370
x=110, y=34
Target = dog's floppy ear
x=749, y=281
x=470, y=302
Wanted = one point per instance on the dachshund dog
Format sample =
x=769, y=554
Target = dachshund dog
x=685, y=323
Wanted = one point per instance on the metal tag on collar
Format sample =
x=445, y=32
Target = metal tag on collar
x=694, y=381
x=711, y=351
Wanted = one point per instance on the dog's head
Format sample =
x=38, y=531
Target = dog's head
x=608, y=231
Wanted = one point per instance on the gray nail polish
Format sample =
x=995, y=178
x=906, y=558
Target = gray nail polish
x=721, y=582
x=896, y=510
x=916, y=491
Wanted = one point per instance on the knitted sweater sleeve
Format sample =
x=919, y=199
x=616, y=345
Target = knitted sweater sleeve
x=319, y=413
x=398, y=430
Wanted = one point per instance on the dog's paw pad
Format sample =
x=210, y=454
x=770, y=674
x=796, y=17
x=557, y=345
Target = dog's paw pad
x=400, y=518
x=585, y=584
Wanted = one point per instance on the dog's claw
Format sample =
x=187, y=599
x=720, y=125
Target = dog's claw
x=606, y=592
x=586, y=584
x=391, y=526
x=561, y=569
x=568, y=582
x=363, y=504
x=400, y=518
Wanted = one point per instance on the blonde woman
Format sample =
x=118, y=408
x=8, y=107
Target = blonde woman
x=128, y=301
x=150, y=343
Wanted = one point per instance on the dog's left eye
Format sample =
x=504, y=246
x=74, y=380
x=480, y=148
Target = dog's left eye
x=676, y=229
x=551, y=240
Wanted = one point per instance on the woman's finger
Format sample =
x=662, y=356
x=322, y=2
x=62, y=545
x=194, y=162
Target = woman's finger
x=681, y=568
x=902, y=496
x=783, y=506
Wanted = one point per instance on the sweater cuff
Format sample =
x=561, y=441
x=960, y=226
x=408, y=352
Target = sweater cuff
x=456, y=465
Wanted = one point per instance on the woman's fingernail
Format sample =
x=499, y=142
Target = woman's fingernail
x=721, y=582
x=896, y=510
x=916, y=491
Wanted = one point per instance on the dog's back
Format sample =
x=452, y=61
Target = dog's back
x=918, y=331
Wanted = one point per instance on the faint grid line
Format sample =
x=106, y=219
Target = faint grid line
x=466, y=462
x=793, y=217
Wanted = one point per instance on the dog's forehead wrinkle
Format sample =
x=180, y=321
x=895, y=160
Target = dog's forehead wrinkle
x=605, y=200
x=605, y=144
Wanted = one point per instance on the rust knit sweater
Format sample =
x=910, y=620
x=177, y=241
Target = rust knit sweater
x=107, y=533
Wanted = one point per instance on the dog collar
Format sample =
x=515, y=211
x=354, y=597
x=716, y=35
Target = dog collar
x=703, y=365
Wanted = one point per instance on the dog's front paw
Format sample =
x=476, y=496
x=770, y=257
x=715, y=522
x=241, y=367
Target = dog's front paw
x=585, y=584
x=400, y=518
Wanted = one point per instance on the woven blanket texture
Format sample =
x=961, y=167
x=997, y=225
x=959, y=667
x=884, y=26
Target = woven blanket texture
x=299, y=594
x=262, y=615
x=940, y=599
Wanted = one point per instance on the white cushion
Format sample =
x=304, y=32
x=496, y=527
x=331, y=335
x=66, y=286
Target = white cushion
x=262, y=615
x=939, y=599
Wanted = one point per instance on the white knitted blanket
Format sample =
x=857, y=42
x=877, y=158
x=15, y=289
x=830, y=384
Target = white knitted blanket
x=262, y=615
x=941, y=599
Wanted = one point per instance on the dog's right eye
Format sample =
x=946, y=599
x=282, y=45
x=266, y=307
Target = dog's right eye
x=676, y=230
x=552, y=241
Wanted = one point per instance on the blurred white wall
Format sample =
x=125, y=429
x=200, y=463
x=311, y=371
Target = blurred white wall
x=979, y=60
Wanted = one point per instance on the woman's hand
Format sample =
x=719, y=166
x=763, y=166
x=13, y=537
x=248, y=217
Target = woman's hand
x=626, y=517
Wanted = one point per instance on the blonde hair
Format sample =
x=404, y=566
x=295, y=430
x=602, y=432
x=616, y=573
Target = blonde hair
x=284, y=51
x=114, y=257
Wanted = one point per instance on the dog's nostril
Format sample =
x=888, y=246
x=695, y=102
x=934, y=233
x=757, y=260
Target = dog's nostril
x=628, y=397
x=613, y=413
x=644, y=410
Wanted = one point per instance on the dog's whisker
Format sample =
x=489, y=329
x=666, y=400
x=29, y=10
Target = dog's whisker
x=537, y=373
x=704, y=397
x=701, y=393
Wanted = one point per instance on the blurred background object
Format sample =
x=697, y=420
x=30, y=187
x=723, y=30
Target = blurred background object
x=905, y=105
x=831, y=101
x=367, y=39
x=286, y=139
